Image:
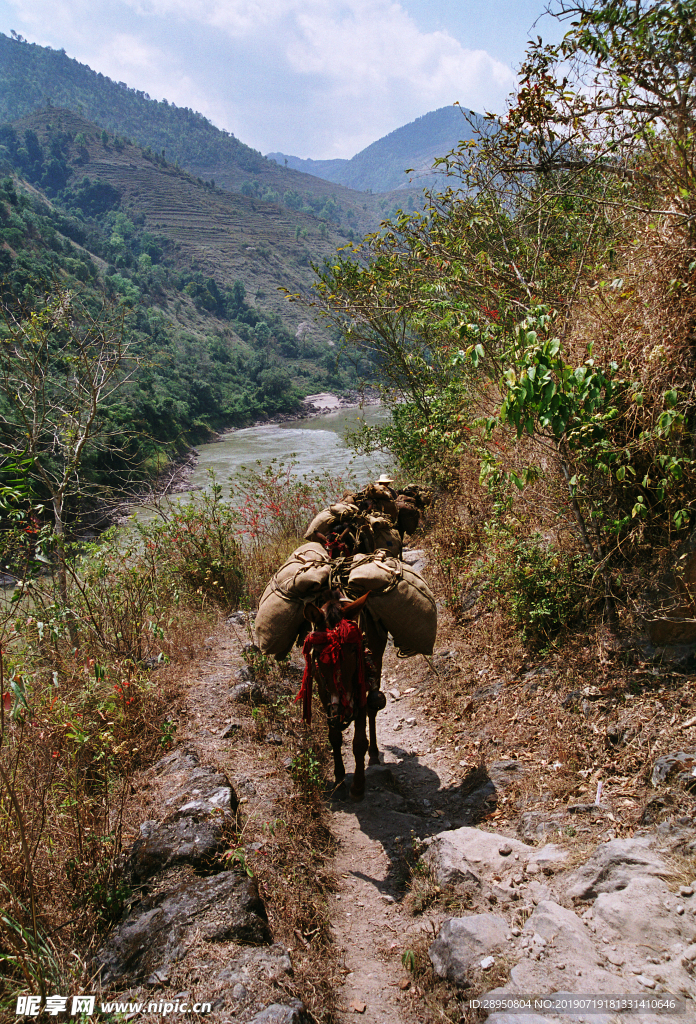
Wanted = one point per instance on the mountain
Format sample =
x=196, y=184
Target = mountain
x=35, y=77
x=381, y=167
x=201, y=270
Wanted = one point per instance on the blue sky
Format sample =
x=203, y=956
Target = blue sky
x=315, y=78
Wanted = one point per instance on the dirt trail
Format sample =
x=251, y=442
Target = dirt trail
x=412, y=794
x=370, y=925
x=371, y=928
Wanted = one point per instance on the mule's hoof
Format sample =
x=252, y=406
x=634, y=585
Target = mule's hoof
x=356, y=796
x=374, y=759
x=338, y=792
x=376, y=700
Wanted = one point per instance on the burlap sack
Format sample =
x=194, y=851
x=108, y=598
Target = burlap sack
x=344, y=510
x=408, y=515
x=401, y=600
x=385, y=537
x=281, y=609
x=324, y=522
x=382, y=500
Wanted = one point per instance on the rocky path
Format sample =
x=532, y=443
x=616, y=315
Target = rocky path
x=616, y=917
x=370, y=924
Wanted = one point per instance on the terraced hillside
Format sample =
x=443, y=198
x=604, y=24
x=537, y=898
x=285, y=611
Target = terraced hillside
x=33, y=77
x=225, y=235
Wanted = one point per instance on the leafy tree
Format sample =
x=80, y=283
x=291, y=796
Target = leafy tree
x=59, y=366
x=510, y=324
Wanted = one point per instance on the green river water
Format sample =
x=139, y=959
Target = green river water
x=317, y=445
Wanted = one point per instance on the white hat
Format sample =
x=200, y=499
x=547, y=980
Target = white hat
x=385, y=479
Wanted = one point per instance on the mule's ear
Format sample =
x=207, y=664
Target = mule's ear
x=352, y=610
x=313, y=615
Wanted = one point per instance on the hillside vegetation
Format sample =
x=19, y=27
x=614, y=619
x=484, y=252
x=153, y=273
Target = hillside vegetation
x=536, y=337
x=33, y=77
x=196, y=271
x=400, y=160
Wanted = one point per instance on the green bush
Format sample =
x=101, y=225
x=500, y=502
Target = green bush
x=542, y=586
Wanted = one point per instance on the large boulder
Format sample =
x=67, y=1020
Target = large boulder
x=469, y=854
x=612, y=866
x=463, y=942
x=194, y=838
x=159, y=930
x=644, y=910
x=564, y=929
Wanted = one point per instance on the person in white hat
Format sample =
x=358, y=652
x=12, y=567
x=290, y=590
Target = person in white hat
x=386, y=481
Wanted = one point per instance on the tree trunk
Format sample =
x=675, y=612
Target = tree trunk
x=61, y=566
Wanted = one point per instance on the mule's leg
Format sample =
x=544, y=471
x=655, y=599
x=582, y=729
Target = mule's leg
x=357, y=790
x=373, y=748
x=336, y=739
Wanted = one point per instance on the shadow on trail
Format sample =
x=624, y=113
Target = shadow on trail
x=405, y=801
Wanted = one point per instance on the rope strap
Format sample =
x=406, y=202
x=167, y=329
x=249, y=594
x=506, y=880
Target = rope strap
x=327, y=648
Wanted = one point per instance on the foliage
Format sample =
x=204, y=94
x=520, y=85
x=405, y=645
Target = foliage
x=537, y=329
x=273, y=503
x=197, y=541
x=307, y=772
x=542, y=586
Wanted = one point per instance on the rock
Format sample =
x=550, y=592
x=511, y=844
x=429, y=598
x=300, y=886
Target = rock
x=395, y=694
x=292, y=1012
x=470, y=598
x=505, y=850
x=663, y=631
x=469, y=854
x=274, y=738
x=612, y=866
x=231, y=729
x=461, y=943
x=640, y=906
x=656, y=808
x=557, y=925
x=248, y=693
x=534, y=824
x=487, y=963
x=241, y=618
x=686, y=890
x=158, y=931
x=683, y=763
x=647, y=982
x=415, y=557
x=202, y=789
x=239, y=992
x=194, y=839
x=176, y=762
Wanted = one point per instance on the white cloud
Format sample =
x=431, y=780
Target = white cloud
x=314, y=77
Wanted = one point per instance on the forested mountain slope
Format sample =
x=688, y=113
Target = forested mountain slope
x=382, y=166
x=199, y=269
x=34, y=77
x=225, y=235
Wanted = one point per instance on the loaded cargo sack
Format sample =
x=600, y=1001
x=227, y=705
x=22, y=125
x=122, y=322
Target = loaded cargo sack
x=281, y=609
x=400, y=599
x=325, y=521
x=382, y=536
x=408, y=515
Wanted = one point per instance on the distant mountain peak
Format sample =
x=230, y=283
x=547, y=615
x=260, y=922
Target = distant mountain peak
x=381, y=166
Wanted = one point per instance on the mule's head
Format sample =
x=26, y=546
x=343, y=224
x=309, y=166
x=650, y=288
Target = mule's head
x=337, y=659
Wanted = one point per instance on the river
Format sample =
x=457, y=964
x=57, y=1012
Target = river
x=317, y=445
